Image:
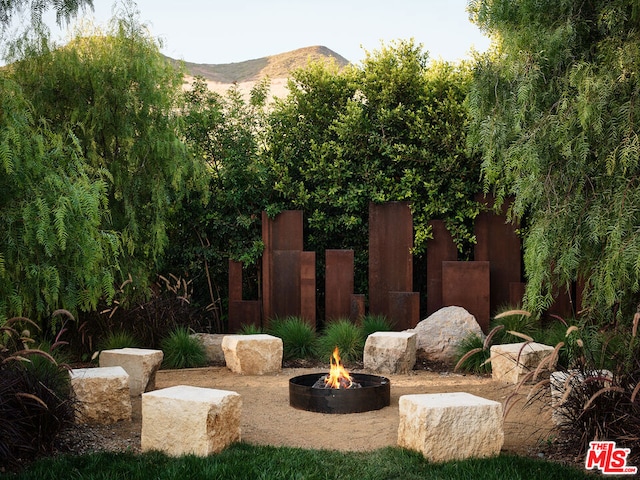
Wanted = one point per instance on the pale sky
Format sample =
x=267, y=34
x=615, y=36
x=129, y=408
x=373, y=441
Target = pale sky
x=227, y=31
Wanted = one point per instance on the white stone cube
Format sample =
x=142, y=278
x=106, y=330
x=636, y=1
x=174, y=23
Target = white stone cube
x=253, y=354
x=511, y=362
x=390, y=352
x=185, y=420
x=450, y=426
x=141, y=364
x=102, y=394
x=212, y=343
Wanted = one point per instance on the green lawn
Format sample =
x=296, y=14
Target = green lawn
x=242, y=461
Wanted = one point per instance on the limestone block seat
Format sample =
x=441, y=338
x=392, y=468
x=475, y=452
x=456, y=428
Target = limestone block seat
x=141, y=364
x=511, y=362
x=390, y=352
x=102, y=395
x=184, y=420
x=212, y=343
x=253, y=354
x=450, y=426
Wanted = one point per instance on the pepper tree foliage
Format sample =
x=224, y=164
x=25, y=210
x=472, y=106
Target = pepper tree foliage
x=390, y=129
x=556, y=112
x=108, y=98
x=65, y=10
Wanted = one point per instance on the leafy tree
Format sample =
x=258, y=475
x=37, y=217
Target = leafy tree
x=64, y=10
x=556, y=117
x=390, y=129
x=54, y=250
x=118, y=95
x=224, y=133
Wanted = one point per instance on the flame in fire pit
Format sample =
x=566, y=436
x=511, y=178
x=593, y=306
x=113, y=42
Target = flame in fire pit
x=338, y=376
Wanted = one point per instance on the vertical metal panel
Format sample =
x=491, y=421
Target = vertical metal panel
x=357, y=309
x=467, y=284
x=404, y=309
x=498, y=244
x=390, y=259
x=235, y=281
x=285, y=232
x=245, y=312
x=439, y=249
x=338, y=283
x=286, y=283
x=308, y=287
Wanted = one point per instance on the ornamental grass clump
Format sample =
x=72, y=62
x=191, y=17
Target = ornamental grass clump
x=298, y=337
x=182, y=350
x=345, y=335
x=36, y=400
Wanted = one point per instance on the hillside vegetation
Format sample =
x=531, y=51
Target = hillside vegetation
x=274, y=66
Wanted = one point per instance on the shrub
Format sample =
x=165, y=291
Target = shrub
x=249, y=329
x=601, y=397
x=118, y=339
x=375, y=323
x=345, y=335
x=472, y=356
x=298, y=337
x=181, y=350
x=514, y=324
x=35, y=396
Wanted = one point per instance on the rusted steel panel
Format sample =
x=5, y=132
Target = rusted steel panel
x=286, y=284
x=466, y=284
x=245, y=312
x=498, y=244
x=390, y=259
x=285, y=232
x=439, y=249
x=235, y=281
x=308, y=287
x=404, y=309
x=516, y=293
x=338, y=283
x=357, y=309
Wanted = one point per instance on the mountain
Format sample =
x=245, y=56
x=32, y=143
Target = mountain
x=275, y=66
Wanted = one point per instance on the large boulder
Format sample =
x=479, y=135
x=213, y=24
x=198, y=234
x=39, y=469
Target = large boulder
x=439, y=334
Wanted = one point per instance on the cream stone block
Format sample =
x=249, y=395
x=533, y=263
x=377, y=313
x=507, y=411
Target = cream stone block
x=102, y=394
x=184, y=420
x=390, y=352
x=513, y=361
x=141, y=365
x=253, y=354
x=450, y=426
x=212, y=343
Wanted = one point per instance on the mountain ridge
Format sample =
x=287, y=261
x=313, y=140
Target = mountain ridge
x=273, y=66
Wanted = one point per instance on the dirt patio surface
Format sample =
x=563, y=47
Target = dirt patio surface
x=267, y=418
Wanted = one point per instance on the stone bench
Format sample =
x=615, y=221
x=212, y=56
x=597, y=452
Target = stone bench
x=102, y=394
x=212, y=343
x=450, y=426
x=141, y=365
x=253, y=354
x=184, y=420
x=390, y=352
x=511, y=362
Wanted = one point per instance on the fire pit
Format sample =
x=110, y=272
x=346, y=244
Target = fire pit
x=339, y=391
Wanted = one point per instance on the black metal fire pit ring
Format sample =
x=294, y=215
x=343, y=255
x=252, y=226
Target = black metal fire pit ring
x=374, y=394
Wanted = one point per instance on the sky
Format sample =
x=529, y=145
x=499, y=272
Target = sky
x=216, y=31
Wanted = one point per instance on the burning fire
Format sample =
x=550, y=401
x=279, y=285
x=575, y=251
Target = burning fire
x=338, y=376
